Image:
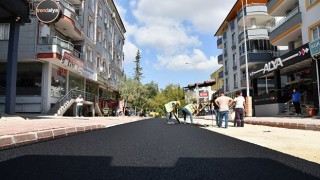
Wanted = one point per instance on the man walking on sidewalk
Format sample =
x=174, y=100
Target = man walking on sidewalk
x=296, y=98
x=223, y=103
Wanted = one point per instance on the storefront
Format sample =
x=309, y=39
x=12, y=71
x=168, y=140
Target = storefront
x=293, y=70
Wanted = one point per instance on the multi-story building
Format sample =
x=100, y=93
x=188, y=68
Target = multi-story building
x=245, y=25
x=298, y=25
x=202, y=92
x=218, y=77
x=81, y=53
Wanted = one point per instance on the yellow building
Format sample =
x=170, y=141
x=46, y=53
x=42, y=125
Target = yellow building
x=218, y=76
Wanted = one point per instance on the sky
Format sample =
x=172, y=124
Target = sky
x=175, y=38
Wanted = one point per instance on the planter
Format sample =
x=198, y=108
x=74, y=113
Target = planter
x=311, y=112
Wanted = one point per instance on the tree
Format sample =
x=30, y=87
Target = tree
x=138, y=69
x=127, y=89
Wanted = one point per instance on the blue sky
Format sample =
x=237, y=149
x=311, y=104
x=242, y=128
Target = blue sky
x=175, y=38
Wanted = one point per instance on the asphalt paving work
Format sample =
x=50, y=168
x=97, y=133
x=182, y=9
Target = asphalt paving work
x=151, y=149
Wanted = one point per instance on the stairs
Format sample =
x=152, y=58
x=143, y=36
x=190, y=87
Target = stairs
x=58, y=110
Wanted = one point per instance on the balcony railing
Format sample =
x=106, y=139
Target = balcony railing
x=286, y=18
x=55, y=40
x=70, y=7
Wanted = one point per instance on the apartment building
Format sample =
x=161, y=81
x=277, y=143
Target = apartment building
x=218, y=77
x=244, y=35
x=299, y=24
x=80, y=53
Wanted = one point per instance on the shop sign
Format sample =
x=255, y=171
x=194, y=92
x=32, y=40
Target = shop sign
x=87, y=72
x=71, y=61
x=272, y=65
x=203, y=94
x=314, y=47
x=102, y=80
x=48, y=11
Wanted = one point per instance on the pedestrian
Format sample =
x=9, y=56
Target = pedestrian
x=171, y=107
x=189, y=109
x=215, y=107
x=239, y=108
x=296, y=98
x=223, y=103
x=79, y=102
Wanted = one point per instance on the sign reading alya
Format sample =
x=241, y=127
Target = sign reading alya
x=48, y=11
x=272, y=65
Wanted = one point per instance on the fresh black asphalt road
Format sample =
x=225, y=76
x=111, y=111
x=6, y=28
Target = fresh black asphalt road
x=151, y=149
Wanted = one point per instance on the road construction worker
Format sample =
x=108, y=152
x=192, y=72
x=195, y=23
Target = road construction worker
x=171, y=107
x=189, y=109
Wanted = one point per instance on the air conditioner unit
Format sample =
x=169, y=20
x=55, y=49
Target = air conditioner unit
x=109, y=76
x=101, y=69
x=113, y=15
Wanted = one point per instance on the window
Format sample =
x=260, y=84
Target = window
x=234, y=60
x=235, y=80
x=312, y=2
x=233, y=39
x=4, y=31
x=226, y=66
x=89, y=54
x=98, y=61
x=227, y=84
x=99, y=35
x=316, y=32
x=100, y=10
x=90, y=31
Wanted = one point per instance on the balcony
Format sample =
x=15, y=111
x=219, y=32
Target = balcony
x=256, y=57
x=56, y=45
x=69, y=23
x=254, y=33
x=256, y=11
x=220, y=59
x=280, y=7
x=287, y=29
x=219, y=43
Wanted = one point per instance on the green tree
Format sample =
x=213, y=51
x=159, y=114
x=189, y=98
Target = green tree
x=127, y=89
x=138, y=69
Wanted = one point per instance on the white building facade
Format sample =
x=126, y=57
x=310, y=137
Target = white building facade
x=246, y=24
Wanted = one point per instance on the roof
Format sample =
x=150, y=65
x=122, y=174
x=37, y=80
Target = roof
x=202, y=84
x=233, y=14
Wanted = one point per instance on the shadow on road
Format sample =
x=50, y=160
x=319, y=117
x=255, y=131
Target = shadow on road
x=85, y=167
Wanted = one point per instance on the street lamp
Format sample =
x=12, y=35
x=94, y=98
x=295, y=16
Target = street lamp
x=249, y=99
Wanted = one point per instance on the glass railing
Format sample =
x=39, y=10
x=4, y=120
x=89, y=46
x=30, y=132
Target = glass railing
x=70, y=7
x=62, y=43
x=286, y=18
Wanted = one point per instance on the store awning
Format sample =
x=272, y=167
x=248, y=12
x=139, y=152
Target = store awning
x=14, y=10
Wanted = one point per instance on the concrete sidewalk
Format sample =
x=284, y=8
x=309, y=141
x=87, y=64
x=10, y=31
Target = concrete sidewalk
x=26, y=129
x=302, y=123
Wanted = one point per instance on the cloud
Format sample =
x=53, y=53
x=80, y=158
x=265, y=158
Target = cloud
x=204, y=16
x=130, y=51
x=197, y=61
x=171, y=29
x=167, y=40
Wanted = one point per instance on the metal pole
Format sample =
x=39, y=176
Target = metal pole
x=245, y=49
x=317, y=69
x=249, y=99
